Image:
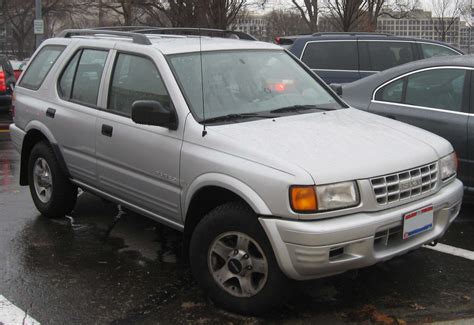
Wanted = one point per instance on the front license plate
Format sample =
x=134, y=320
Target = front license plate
x=417, y=222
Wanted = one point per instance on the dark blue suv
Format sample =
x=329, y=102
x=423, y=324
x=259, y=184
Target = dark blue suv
x=346, y=57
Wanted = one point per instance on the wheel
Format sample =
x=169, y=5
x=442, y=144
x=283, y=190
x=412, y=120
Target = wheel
x=233, y=261
x=52, y=192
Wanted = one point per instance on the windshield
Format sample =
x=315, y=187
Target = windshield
x=248, y=82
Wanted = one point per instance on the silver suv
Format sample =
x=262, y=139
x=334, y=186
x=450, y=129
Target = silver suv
x=269, y=175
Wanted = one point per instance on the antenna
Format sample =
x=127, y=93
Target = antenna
x=204, y=131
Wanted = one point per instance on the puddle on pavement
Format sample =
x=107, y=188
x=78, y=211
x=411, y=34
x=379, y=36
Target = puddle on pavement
x=8, y=168
x=139, y=235
x=135, y=268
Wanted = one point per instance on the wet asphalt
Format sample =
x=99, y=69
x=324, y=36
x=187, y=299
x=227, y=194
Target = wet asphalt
x=79, y=270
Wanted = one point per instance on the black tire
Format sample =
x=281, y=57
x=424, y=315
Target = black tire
x=64, y=193
x=236, y=216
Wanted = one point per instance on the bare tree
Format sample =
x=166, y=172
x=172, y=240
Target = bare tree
x=19, y=14
x=192, y=13
x=285, y=22
x=362, y=15
x=175, y=13
x=346, y=15
x=445, y=14
x=129, y=10
x=69, y=15
x=222, y=13
x=309, y=11
x=397, y=9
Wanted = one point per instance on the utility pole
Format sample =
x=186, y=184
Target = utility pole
x=101, y=14
x=38, y=23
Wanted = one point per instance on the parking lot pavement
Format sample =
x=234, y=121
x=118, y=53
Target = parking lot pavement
x=4, y=124
x=72, y=270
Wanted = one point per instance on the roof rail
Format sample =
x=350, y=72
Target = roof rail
x=137, y=38
x=195, y=31
x=122, y=28
x=351, y=34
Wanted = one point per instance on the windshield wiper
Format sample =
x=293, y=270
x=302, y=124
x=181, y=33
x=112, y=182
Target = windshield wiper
x=299, y=108
x=234, y=117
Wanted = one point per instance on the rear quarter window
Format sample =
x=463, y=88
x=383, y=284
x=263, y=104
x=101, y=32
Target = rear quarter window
x=393, y=92
x=337, y=55
x=432, y=50
x=40, y=66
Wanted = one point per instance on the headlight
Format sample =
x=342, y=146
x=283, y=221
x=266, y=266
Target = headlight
x=448, y=166
x=310, y=199
x=337, y=196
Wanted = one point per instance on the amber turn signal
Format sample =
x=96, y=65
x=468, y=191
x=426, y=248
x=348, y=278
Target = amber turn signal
x=303, y=199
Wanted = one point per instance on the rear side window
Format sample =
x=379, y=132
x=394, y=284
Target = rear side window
x=431, y=50
x=331, y=55
x=440, y=88
x=39, y=68
x=385, y=55
x=80, y=80
x=135, y=78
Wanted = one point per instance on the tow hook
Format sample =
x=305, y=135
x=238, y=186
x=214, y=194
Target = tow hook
x=433, y=243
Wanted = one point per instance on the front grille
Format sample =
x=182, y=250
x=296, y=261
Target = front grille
x=404, y=185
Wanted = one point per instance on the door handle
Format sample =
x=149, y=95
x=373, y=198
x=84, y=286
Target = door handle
x=107, y=130
x=50, y=112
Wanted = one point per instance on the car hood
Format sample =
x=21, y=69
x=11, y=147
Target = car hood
x=334, y=146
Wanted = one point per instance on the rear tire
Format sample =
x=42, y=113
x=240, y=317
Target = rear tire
x=233, y=261
x=52, y=192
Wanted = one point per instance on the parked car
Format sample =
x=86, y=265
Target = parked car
x=7, y=82
x=346, y=57
x=18, y=67
x=267, y=173
x=433, y=94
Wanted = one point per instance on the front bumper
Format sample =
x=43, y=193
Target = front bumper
x=315, y=249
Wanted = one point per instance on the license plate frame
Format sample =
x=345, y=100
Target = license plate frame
x=418, y=221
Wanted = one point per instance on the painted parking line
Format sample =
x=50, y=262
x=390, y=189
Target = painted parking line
x=455, y=322
x=12, y=315
x=4, y=131
x=453, y=251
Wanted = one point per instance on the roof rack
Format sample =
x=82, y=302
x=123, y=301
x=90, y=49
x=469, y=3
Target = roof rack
x=196, y=32
x=137, y=38
x=122, y=28
x=351, y=34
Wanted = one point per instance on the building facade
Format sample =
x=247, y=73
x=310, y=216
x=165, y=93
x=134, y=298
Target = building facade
x=255, y=25
x=467, y=38
x=421, y=24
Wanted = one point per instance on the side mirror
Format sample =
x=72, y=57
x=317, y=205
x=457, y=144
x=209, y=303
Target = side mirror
x=150, y=112
x=337, y=88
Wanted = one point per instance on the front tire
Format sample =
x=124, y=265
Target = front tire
x=233, y=261
x=52, y=192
